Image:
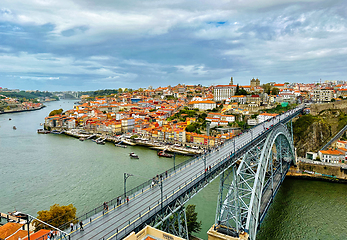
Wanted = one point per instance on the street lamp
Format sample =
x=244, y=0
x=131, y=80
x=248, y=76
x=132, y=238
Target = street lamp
x=204, y=157
x=126, y=176
x=161, y=192
x=174, y=161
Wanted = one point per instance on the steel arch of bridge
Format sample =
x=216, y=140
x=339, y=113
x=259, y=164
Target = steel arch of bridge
x=246, y=192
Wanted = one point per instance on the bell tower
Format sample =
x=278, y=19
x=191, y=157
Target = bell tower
x=231, y=81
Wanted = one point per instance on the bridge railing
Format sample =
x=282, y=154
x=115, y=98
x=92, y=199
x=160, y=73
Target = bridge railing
x=141, y=187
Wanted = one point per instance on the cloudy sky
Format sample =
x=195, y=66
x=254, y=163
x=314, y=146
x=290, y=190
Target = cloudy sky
x=97, y=44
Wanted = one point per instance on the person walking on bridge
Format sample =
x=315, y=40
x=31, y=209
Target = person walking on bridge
x=71, y=226
x=81, y=226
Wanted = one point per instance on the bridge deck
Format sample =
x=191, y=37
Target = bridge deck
x=105, y=226
x=269, y=193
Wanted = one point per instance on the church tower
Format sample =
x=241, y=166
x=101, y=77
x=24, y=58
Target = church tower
x=231, y=81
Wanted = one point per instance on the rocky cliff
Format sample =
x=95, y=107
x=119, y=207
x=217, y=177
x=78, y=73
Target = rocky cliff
x=312, y=132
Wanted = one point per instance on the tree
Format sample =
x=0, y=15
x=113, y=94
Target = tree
x=56, y=112
x=191, y=127
x=237, y=89
x=267, y=88
x=56, y=216
x=275, y=91
x=194, y=226
x=240, y=91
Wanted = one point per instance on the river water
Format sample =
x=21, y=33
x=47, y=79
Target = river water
x=39, y=170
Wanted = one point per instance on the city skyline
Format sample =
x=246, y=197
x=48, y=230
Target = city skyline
x=83, y=45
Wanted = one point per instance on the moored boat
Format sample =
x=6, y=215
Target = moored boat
x=119, y=145
x=57, y=132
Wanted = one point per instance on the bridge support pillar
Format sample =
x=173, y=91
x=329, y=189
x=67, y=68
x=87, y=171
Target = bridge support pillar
x=217, y=233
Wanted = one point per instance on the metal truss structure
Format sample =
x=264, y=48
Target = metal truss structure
x=175, y=224
x=247, y=191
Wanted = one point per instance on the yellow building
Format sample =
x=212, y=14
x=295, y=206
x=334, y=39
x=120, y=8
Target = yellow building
x=151, y=233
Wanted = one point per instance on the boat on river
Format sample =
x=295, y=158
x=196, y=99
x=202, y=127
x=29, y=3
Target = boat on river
x=133, y=155
x=57, y=132
x=120, y=145
x=43, y=131
x=164, y=154
x=14, y=128
x=100, y=142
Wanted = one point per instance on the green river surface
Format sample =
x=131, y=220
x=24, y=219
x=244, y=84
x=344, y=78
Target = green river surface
x=39, y=170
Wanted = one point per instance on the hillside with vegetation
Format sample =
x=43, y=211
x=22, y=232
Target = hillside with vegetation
x=23, y=96
x=311, y=133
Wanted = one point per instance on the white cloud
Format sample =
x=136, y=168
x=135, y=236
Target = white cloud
x=165, y=41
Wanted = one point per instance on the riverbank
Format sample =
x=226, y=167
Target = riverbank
x=22, y=110
x=319, y=171
x=305, y=176
x=154, y=145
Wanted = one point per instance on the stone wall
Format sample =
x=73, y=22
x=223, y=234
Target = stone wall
x=318, y=107
x=328, y=170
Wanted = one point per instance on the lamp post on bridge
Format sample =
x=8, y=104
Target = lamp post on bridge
x=175, y=161
x=161, y=191
x=234, y=146
x=204, y=157
x=126, y=176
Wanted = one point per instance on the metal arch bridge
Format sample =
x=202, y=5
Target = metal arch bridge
x=263, y=154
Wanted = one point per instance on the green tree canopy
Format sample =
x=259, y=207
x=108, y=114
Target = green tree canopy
x=134, y=136
x=56, y=112
x=194, y=226
x=56, y=216
x=267, y=88
x=240, y=91
x=275, y=91
x=191, y=127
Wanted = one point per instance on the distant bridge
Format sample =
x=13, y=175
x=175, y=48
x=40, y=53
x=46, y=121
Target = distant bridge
x=263, y=155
